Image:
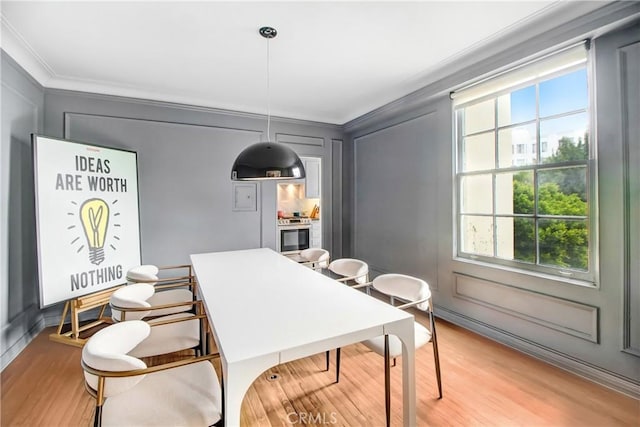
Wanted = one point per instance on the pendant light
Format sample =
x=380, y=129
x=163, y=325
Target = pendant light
x=267, y=160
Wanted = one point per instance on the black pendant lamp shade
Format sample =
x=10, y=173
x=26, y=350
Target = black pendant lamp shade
x=267, y=160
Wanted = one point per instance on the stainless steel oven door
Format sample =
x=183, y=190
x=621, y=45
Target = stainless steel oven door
x=293, y=238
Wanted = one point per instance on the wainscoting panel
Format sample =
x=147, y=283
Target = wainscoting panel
x=21, y=115
x=298, y=139
x=186, y=193
x=565, y=316
x=629, y=68
x=395, y=219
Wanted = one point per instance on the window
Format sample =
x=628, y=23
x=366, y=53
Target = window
x=523, y=168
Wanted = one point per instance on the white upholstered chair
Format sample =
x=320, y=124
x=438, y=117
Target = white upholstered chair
x=315, y=258
x=415, y=293
x=172, y=288
x=128, y=393
x=150, y=273
x=353, y=271
x=175, y=328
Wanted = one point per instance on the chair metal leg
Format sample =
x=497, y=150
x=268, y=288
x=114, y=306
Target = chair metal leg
x=436, y=355
x=338, y=365
x=327, y=357
x=204, y=327
x=97, y=420
x=387, y=381
x=222, y=411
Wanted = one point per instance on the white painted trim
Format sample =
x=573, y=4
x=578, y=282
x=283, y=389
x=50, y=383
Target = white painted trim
x=531, y=40
x=188, y=107
x=17, y=47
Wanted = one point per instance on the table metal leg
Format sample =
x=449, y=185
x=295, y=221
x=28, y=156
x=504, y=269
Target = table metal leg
x=338, y=365
x=387, y=381
x=405, y=331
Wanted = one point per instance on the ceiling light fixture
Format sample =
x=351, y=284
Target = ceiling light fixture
x=267, y=160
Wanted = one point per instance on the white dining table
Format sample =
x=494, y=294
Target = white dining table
x=265, y=309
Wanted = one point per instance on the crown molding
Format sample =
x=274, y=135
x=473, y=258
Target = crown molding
x=158, y=96
x=186, y=106
x=570, y=22
x=15, y=45
x=550, y=25
x=23, y=54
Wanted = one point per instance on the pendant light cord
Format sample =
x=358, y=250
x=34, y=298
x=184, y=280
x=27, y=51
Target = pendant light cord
x=268, y=96
x=268, y=33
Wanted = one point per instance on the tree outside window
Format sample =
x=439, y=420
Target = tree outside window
x=523, y=176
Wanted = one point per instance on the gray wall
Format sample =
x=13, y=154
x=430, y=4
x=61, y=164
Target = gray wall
x=22, y=114
x=185, y=155
x=403, y=221
x=388, y=186
x=395, y=196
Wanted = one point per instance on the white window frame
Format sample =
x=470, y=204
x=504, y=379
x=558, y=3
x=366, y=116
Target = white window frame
x=585, y=278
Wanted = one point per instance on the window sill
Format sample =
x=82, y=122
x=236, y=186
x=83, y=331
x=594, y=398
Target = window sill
x=530, y=273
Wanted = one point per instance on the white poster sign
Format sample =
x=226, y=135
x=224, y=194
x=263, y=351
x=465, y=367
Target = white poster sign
x=87, y=217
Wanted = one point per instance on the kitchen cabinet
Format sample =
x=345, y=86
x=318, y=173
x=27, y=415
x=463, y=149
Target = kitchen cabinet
x=312, y=181
x=316, y=234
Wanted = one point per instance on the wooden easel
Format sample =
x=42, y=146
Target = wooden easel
x=79, y=305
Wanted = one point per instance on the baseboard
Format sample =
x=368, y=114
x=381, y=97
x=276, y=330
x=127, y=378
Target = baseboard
x=560, y=360
x=22, y=342
x=45, y=318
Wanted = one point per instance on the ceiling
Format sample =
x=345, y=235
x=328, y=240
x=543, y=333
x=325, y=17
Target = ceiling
x=331, y=61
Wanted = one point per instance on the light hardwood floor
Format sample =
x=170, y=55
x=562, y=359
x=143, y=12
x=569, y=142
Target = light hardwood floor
x=484, y=384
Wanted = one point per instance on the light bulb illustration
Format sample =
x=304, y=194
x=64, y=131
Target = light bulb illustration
x=94, y=216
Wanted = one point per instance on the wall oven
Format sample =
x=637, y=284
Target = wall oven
x=293, y=238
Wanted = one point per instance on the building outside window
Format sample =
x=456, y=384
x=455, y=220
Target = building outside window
x=524, y=191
